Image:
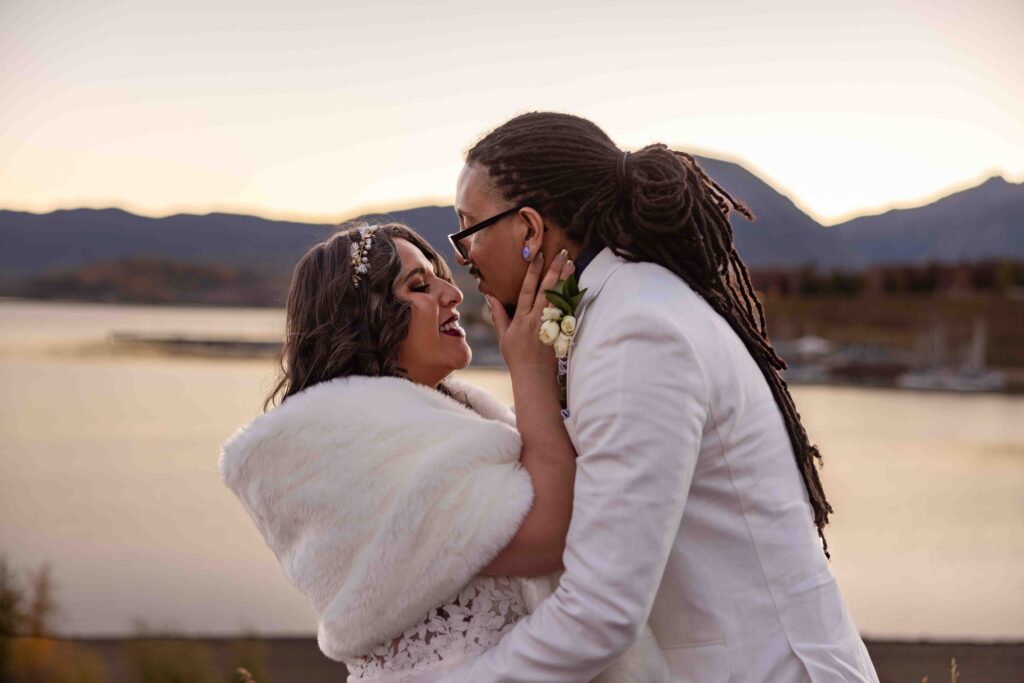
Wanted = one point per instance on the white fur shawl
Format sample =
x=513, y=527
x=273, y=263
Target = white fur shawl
x=381, y=499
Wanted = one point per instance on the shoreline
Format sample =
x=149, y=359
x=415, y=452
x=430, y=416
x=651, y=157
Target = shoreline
x=297, y=659
x=134, y=337
x=127, y=346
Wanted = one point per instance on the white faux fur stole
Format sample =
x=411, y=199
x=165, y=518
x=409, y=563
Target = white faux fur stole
x=380, y=498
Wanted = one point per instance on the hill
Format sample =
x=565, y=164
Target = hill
x=983, y=222
x=781, y=234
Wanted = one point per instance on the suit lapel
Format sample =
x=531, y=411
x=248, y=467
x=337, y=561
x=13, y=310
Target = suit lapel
x=593, y=280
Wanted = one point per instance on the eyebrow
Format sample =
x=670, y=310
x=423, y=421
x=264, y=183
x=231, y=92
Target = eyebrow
x=418, y=270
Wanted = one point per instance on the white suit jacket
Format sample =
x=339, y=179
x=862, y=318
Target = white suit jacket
x=689, y=510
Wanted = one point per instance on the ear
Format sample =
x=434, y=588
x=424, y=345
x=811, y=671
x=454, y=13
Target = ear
x=532, y=229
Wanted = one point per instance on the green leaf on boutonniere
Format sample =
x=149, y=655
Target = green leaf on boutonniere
x=559, y=300
x=570, y=286
x=566, y=295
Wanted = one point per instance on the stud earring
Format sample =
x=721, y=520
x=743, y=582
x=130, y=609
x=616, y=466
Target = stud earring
x=526, y=253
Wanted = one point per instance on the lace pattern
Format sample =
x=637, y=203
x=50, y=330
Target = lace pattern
x=472, y=622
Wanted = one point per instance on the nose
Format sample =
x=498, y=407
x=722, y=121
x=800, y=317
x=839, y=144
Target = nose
x=451, y=295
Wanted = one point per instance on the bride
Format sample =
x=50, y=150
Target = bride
x=418, y=516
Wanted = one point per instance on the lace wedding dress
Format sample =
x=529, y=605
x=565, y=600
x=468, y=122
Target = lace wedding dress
x=470, y=623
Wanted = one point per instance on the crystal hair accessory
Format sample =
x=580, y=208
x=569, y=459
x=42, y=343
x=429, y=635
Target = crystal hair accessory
x=361, y=253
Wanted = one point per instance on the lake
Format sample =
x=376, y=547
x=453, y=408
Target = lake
x=109, y=472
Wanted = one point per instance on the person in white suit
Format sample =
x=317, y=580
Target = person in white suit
x=697, y=507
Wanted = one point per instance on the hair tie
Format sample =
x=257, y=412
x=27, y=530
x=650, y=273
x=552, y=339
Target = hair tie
x=622, y=166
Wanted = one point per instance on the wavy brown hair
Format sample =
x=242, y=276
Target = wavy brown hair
x=655, y=205
x=335, y=329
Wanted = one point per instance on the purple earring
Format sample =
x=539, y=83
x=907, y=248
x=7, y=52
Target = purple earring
x=526, y=253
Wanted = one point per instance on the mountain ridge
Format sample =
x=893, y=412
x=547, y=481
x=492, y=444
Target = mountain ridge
x=982, y=222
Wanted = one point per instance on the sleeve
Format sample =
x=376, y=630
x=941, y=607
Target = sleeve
x=639, y=405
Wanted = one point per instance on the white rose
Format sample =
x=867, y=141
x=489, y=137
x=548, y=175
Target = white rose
x=562, y=346
x=568, y=325
x=551, y=313
x=549, y=332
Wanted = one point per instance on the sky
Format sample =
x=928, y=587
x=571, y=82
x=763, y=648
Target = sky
x=317, y=110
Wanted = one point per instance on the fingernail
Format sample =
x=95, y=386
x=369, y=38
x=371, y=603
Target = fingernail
x=563, y=254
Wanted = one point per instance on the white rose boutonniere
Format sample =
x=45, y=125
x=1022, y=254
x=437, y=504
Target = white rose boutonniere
x=549, y=332
x=558, y=324
x=562, y=345
x=551, y=313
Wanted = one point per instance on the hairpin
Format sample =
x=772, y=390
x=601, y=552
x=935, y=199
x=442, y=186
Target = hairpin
x=361, y=253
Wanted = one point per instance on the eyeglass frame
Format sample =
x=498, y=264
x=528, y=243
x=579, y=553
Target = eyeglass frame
x=457, y=237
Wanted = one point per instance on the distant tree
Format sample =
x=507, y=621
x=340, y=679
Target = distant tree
x=811, y=282
x=985, y=275
x=41, y=610
x=845, y=283
x=1005, y=275
x=1018, y=274
x=154, y=281
x=11, y=598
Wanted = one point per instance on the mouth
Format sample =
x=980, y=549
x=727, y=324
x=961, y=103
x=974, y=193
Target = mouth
x=451, y=327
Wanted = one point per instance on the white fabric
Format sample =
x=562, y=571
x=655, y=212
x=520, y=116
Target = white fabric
x=643, y=662
x=381, y=499
x=689, y=512
x=471, y=623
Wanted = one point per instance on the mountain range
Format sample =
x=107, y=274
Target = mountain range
x=983, y=222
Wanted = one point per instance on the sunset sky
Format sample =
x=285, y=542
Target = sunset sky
x=317, y=110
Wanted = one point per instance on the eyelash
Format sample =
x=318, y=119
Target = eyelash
x=421, y=288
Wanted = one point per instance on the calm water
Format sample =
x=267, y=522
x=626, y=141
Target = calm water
x=109, y=472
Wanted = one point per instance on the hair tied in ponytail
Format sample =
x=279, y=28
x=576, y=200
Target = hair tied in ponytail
x=622, y=166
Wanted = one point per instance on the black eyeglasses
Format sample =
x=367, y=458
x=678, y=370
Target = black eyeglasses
x=456, y=238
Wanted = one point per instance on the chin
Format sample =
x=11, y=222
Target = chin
x=468, y=357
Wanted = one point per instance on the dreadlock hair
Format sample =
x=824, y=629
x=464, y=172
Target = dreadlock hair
x=654, y=205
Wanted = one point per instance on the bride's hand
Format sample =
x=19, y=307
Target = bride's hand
x=519, y=337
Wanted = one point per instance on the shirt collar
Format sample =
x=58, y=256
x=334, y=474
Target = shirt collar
x=585, y=256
